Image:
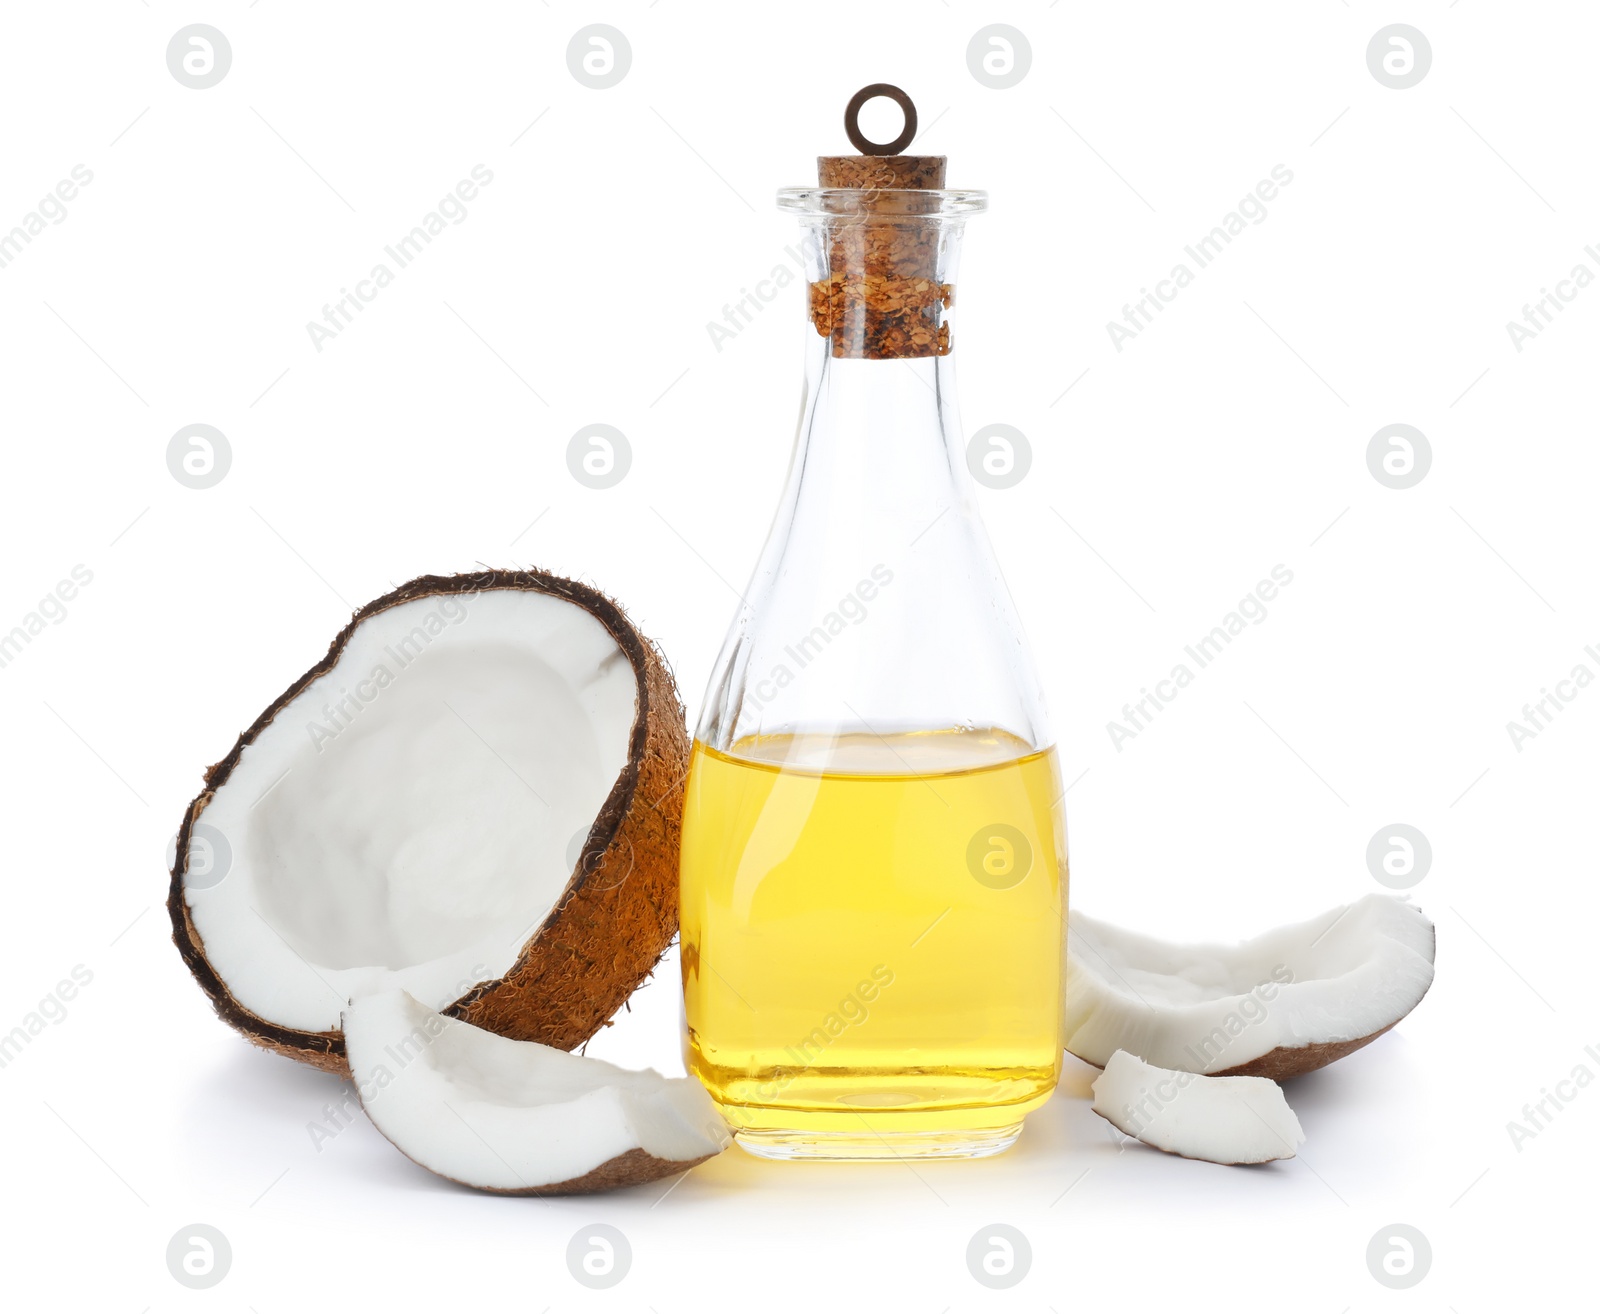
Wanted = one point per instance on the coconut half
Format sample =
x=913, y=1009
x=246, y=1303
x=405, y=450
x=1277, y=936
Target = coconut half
x=1288, y=1002
x=518, y=1118
x=1229, y=1120
x=474, y=797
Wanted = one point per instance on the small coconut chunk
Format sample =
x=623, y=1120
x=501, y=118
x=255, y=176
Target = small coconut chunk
x=1285, y=1003
x=515, y=1117
x=1229, y=1120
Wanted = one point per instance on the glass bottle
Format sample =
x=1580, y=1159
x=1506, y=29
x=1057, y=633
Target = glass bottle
x=874, y=864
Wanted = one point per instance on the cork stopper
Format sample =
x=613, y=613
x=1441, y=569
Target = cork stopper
x=881, y=298
x=896, y=172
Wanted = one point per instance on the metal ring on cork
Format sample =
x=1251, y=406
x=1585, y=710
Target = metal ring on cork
x=852, y=113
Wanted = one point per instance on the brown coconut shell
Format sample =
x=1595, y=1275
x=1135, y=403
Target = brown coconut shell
x=1285, y=1062
x=632, y=1167
x=1288, y=1061
x=1282, y=1063
x=611, y=924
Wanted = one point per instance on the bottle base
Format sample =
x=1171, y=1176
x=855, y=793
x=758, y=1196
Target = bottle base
x=888, y=1116
x=867, y=1146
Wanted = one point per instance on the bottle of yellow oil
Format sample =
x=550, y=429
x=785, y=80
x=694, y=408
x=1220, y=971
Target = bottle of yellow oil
x=874, y=877
x=868, y=953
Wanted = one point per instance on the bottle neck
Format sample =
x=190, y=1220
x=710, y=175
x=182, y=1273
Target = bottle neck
x=879, y=443
x=880, y=433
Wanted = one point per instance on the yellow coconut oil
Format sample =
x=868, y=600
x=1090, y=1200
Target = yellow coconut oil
x=872, y=932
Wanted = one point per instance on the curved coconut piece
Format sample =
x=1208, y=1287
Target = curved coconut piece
x=475, y=797
x=518, y=1118
x=1229, y=1120
x=1286, y=1003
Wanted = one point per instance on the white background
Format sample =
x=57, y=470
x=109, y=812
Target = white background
x=1230, y=436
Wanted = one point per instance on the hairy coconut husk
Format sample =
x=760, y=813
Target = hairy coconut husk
x=619, y=911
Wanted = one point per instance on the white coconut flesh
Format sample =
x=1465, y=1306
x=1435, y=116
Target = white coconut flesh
x=514, y=1116
x=1221, y=1119
x=1283, y=1003
x=407, y=821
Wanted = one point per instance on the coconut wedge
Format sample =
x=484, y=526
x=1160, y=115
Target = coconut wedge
x=1229, y=1120
x=517, y=1118
x=1285, y=1003
x=474, y=797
